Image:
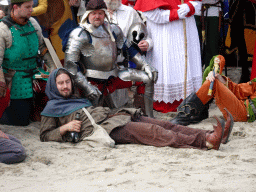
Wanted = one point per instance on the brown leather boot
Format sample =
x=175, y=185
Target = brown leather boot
x=228, y=127
x=214, y=139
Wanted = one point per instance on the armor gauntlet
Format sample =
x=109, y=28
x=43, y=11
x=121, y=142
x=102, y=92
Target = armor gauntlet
x=142, y=64
x=90, y=91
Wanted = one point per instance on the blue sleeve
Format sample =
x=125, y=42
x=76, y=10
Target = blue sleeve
x=131, y=50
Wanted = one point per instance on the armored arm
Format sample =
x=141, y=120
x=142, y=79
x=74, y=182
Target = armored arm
x=76, y=45
x=142, y=64
x=90, y=91
x=134, y=55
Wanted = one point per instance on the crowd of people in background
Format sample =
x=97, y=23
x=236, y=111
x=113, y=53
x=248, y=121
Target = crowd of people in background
x=108, y=46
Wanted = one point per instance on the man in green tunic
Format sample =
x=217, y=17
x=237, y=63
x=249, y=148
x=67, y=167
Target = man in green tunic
x=20, y=40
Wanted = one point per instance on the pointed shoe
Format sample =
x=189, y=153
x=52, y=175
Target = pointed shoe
x=214, y=139
x=228, y=127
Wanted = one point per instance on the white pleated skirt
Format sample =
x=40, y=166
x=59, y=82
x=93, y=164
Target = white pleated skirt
x=168, y=56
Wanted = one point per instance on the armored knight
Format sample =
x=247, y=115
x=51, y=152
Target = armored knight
x=91, y=54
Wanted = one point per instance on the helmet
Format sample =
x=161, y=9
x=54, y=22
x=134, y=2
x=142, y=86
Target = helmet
x=136, y=33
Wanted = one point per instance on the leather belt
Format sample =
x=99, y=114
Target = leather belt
x=101, y=74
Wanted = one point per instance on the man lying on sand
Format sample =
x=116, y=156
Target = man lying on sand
x=126, y=126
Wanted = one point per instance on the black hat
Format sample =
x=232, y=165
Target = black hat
x=96, y=4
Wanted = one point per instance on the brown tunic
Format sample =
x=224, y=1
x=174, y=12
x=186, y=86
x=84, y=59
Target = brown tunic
x=50, y=126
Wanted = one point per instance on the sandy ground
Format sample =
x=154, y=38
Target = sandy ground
x=58, y=167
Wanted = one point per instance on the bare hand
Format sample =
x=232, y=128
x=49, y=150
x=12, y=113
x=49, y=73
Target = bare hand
x=143, y=45
x=210, y=77
x=74, y=125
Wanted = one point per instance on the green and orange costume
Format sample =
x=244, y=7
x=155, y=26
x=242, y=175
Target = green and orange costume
x=238, y=99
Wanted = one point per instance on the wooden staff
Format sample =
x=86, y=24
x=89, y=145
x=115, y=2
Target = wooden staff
x=186, y=55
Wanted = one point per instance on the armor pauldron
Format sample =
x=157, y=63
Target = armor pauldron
x=120, y=39
x=78, y=42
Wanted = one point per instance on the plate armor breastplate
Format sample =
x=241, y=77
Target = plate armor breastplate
x=103, y=57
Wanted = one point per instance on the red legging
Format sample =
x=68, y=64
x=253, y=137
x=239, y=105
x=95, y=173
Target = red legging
x=116, y=83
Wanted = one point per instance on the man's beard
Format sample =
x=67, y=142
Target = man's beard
x=113, y=5
x=67, y=95
x=96, y=25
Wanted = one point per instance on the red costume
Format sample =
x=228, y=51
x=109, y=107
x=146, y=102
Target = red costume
x=172, y=5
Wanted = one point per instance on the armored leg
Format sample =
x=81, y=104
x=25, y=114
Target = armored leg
x=138, y=75
x=148, y=99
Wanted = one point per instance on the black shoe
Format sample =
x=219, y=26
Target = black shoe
x=190, y=108
x=202, y=116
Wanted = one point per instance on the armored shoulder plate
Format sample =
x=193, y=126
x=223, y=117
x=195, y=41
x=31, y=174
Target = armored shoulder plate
x=119, y=36
x=80, y=38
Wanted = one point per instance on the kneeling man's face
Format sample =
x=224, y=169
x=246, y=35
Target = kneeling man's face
x=96, y=17
x=64, y=85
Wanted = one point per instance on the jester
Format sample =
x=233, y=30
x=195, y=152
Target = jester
x=238, y=99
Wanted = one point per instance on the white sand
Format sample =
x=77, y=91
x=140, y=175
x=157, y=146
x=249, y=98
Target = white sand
x=52, y=166
x=61, y=167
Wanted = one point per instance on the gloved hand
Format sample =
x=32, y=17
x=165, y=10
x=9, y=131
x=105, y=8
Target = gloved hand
x=91, y=92
x=94, y=92
x=183, y=10
x=151, y=71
